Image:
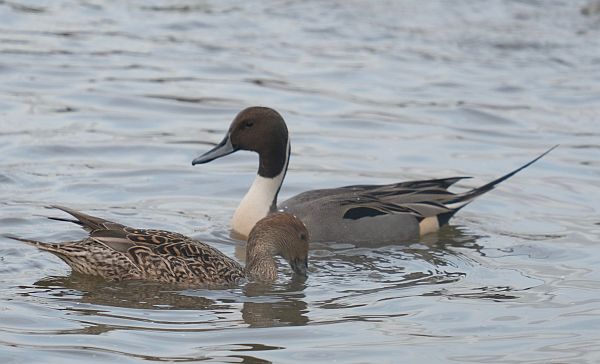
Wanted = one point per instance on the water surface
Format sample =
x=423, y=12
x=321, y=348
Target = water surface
x=104, y=105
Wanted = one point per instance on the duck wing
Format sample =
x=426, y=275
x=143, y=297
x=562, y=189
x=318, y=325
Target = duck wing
x=87, y=222
x=436, y=187
x=159, y=242
x=441, y=183
x=420, y=198
x=189, y=262
x=123, y=238
x=151, y=254
x=420, y=203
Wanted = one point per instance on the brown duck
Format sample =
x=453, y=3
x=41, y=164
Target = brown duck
x=116, y=252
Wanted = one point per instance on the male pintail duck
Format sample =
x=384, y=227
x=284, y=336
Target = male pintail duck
x=356, y=214
x=116, y=252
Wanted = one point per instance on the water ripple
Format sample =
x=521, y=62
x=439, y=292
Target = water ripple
x=104, y=105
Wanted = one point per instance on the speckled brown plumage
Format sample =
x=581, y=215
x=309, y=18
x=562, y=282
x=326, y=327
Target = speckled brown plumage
x=117, y=252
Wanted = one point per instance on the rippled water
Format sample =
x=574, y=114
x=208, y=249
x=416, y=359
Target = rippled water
x=103, y=105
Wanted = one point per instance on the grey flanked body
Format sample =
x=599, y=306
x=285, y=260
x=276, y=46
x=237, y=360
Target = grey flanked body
x=327, y=223
x=356, y=214
x=329, y=227
x=116, y=252
x=374, y=213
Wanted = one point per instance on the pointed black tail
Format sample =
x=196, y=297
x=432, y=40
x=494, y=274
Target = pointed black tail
x=464, y=199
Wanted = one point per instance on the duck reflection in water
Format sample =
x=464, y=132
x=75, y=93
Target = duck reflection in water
x=433, y=262
x=261, y=304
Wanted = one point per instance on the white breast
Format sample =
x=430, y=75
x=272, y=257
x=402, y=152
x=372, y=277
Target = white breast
x=256, y=204
x=258, y=200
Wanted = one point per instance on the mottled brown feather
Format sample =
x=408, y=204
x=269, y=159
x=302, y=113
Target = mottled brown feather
x=116, y=252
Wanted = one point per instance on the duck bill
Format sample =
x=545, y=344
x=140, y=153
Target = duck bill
x=220, y=150
x=300, y=267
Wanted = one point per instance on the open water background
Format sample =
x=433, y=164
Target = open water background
x=103, y=105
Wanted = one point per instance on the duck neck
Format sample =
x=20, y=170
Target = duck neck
x=260, y=258
x=262, y=269
x=261, y=198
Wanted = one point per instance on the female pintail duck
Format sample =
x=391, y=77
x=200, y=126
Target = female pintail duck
x=116, y=252
x=361, y=213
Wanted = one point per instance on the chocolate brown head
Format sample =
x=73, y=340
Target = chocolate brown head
x=258, y=129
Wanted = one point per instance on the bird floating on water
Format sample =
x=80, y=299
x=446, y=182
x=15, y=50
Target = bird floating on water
x=389, y=213
x=116, y=252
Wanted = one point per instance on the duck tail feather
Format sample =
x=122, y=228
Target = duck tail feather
x=65, y=219
x=36, y=243
x=88, y=222
x=463, y=199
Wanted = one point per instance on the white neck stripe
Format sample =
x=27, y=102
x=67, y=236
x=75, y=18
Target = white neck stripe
x=257, y=202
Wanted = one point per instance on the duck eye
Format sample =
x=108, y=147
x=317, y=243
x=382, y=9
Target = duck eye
x=248, y=124
x=302, y=236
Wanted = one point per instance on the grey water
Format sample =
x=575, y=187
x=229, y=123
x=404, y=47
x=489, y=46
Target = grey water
x=103, y=105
